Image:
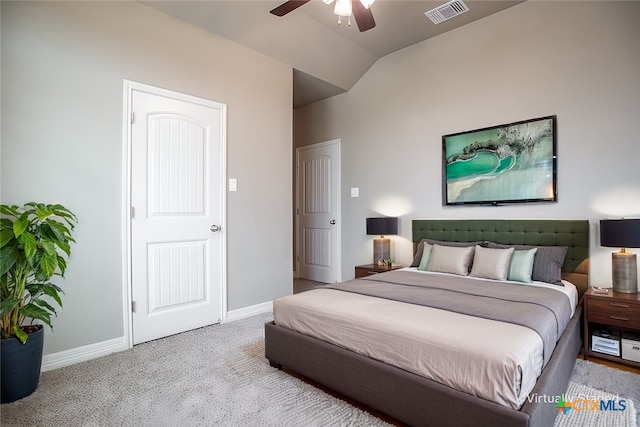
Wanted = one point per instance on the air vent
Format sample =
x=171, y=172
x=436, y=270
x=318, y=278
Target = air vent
x=446, y=11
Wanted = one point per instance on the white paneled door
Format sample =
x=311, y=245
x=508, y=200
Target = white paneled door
x=318, y=212
x=177, y=154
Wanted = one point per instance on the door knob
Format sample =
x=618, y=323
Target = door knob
x=332, y=222
x=214, y=228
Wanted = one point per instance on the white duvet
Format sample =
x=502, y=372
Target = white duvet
x=489, y=359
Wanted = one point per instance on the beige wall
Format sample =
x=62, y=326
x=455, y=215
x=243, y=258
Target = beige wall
x=63, y=66
x=577, y=60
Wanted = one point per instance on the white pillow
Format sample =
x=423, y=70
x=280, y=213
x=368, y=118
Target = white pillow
x=451, y=259
x=491, y=263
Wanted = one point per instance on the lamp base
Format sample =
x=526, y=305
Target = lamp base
x=624, y=272
x=381, y=250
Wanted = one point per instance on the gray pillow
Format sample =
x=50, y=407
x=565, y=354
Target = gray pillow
x=547, y=262
x=418, y=257
x=451, y=259
x=521, y=265
x=491, y=263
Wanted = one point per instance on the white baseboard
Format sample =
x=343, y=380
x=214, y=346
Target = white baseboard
x=104, y=348
x=82, y=354
x=241, y=313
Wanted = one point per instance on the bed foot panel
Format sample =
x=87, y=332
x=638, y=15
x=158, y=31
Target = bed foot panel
x=404, y=396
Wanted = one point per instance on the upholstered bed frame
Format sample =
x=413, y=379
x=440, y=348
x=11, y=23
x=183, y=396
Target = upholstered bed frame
x=415, y=400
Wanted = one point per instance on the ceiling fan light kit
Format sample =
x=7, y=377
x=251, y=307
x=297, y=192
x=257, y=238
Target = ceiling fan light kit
x=343, y=8
x=366, y=3
x=358, y=8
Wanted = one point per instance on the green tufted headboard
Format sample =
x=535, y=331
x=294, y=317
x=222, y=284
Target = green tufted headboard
x=541, y=232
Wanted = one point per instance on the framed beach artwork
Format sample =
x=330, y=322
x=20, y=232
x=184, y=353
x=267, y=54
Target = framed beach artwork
x=510, y=163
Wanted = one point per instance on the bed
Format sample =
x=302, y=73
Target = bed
x=409, y=396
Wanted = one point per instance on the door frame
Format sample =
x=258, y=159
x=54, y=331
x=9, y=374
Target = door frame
x=338, y=230
x=129, y=87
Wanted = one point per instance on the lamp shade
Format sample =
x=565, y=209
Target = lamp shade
x=620, y=233
x=382, y=226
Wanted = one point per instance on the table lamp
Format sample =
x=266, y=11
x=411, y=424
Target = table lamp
x=382, y=246
x=622, y=233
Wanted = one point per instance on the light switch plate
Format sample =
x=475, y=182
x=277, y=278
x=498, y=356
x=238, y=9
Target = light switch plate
x=233, y=184
x=355, y=192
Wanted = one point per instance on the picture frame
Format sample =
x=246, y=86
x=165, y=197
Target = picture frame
x=503, y=164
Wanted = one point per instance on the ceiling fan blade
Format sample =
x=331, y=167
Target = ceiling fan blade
x=364, y=17
x=288, y=6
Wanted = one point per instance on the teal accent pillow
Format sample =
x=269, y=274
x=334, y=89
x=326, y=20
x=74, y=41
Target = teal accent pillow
x=426, y=255
x=521, y=265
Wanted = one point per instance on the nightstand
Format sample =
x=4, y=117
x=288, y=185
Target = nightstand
x=370, y=269
x=617, y=313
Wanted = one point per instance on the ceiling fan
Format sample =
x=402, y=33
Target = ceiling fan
x=358, y=8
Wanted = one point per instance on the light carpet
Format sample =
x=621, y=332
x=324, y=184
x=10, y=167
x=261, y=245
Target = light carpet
x=210, y=376
x=610, y=410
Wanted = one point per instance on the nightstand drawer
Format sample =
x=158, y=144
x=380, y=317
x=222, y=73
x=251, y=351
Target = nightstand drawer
x=617, y=313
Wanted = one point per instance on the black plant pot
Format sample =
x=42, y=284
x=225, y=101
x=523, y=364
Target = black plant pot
x=20, y=365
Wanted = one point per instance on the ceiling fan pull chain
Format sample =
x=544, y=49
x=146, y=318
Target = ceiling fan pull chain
x=340, y=20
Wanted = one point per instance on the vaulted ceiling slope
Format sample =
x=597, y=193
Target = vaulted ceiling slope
x=327, y=58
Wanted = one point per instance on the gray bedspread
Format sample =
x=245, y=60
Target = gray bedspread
x=543, y=310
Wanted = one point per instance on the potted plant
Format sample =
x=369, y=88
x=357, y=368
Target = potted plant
x=35, y=243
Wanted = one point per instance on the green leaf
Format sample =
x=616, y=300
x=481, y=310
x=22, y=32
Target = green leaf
x=8, y=258
x=10, y=210
x=35, y=289
x=48, y=246
x=5, y=237
x=29, y=243
x=59, y=230
x=34, y=312
x=21, y=224
x=62, y=265
x=20, y=334
x=64, y=246
x=45, y=231
x=64, y=213
x=45, y=305
x=56, y=287
x=53, y=291
x=6, y=224
x=48, y=265
x=43, y=212
x=8, y=305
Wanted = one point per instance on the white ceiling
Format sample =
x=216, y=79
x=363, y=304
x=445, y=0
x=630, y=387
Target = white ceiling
x=327, y=58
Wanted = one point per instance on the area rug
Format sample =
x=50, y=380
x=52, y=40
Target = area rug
x=213, y=376
x=585, y=406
